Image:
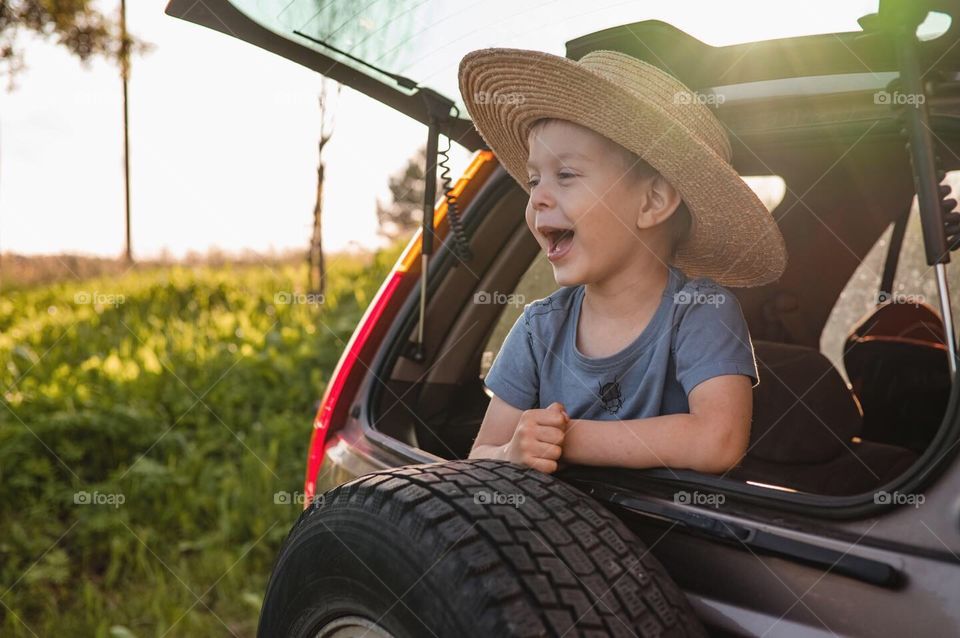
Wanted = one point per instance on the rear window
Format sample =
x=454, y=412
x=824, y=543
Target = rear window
x=424, y=40
x=915, y=283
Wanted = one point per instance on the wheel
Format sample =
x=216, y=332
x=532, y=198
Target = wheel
x=467, y=548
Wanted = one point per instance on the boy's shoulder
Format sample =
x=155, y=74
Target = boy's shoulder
x=701, y=290
x=701, y=301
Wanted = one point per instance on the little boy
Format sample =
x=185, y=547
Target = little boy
x=642, y=359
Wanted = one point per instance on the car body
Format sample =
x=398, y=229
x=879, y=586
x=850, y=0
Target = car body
x=865, y=541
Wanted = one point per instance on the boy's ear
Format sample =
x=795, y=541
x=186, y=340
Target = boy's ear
x=657, y=203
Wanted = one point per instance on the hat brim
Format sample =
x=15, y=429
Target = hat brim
x=733, y=238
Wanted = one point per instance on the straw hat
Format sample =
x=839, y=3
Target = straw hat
x=733, y=238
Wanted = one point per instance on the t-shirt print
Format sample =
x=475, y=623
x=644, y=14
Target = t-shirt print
x=610, y=396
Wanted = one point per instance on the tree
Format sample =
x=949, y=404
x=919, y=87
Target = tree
x=404, y=214
x=85, y=32
x=73, y=24
x=317, y=274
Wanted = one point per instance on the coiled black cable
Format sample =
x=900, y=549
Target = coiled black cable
x=460, y=245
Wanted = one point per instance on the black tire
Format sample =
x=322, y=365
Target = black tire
x=469, y=548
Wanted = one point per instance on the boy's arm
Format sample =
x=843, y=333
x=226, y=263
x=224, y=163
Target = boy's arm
x=712, y=438
x=497, y=429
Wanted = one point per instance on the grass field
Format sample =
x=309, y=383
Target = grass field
x=152, y=441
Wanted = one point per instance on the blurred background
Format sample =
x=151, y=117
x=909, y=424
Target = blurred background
x=157, y=405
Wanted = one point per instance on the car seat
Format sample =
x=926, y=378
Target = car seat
x=896, y=360
x=806, y=428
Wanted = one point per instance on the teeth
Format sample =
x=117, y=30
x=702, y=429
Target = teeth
x=556, y=237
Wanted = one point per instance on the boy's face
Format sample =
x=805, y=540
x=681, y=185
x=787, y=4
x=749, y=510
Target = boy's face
x=578, y=181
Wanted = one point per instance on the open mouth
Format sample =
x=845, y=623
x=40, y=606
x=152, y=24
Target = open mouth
x=559, y=241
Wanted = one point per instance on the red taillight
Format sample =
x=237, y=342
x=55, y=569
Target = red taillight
x=348, y=374
x=336, y=399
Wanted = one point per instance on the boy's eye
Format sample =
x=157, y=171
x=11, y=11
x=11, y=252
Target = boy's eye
x=561, y=175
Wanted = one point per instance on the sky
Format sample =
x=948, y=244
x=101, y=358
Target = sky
x=223, y=149
x=223, y=137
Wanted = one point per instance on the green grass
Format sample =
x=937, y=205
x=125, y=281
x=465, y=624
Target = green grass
x=185, y=393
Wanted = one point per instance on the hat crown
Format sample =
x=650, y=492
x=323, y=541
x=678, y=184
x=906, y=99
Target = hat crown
x=652, y=85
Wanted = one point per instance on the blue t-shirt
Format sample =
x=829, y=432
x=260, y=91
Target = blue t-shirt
x=697, y=332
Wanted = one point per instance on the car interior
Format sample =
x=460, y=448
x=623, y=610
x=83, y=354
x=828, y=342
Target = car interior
x=829, y=425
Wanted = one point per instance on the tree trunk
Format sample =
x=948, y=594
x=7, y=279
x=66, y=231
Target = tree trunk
x=317, y=265
x=317, y=275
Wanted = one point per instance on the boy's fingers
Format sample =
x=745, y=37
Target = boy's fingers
x=556, y=405
x=550, y=417
x=545, y=466
x=549, y=434
x=550, y=452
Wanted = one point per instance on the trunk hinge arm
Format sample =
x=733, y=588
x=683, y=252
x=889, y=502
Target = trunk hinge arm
x=439, y=117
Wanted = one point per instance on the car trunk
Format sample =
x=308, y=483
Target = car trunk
x=776, y=542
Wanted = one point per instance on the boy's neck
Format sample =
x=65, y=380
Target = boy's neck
x=628, y=292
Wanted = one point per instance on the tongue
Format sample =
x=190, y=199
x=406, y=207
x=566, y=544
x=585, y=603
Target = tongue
x=563, y=242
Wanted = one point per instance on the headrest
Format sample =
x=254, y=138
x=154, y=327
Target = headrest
x=803, y=411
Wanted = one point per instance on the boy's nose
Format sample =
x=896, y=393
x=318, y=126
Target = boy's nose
x=541, y=197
